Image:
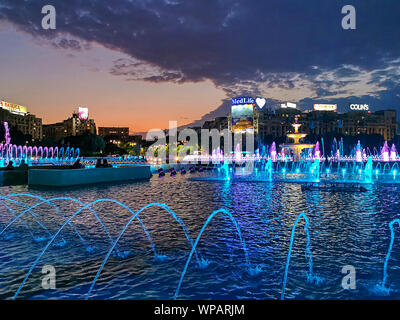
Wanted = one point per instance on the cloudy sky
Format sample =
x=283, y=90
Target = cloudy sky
x=140, y=63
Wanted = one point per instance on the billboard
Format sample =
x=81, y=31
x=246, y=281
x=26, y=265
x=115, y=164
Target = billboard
x=13, y=108
x=359, y=107
x=325, y=107
x=242, y=115
x=242, y=100
x=288, y=105
x=83, y=113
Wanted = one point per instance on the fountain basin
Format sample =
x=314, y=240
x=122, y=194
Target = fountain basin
x=14, y=177
x=75, y=177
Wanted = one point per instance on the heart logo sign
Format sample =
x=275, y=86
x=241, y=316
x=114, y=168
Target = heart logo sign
x=261, y=102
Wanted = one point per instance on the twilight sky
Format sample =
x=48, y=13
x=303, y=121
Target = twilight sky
x=140, y=63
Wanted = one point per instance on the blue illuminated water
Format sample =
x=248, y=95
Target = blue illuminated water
x=241, y=253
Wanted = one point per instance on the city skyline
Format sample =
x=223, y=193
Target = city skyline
x=154, y=61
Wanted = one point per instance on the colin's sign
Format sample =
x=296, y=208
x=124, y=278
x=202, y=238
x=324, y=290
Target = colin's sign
x=359, y=107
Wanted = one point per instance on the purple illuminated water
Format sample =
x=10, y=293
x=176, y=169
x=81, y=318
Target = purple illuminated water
x=345, y=228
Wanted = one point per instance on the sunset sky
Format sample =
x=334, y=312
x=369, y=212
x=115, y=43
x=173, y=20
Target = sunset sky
x=141, y=63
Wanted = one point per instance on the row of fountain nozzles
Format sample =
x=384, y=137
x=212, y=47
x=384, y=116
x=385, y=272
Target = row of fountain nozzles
x=173, y=172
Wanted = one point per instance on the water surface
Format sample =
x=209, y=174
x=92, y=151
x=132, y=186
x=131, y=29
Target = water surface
x=345, y=229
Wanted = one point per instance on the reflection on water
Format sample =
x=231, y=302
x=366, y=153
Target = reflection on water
x=345, y=229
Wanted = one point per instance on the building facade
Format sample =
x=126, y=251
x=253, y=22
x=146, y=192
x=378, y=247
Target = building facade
x=113, y=131
x=219, y=123
x=73, y=126
x=276, y=123
x=18, y=116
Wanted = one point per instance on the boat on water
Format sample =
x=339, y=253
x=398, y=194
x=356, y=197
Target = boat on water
x=333, y=187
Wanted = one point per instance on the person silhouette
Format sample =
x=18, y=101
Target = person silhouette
x=23, y=165
x=105, y=164
x=98, y=163
x=77, y=164
x=10, y=166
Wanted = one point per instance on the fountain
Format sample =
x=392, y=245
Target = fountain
x=31, y=154
x=268, y=169
x=224, y=169
x=250, y=270
x=393, y=153
x=385, y=152
x=238, y=153
x=315, y=168
x=358, y=152
x=317, y=152
x=311, y=277
x=274, y=156
x=296, y=147
x=203, y=263
x=368, y=170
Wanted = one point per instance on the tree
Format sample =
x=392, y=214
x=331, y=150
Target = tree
x=88, y=144
x=46, y=142
x=113, y=149
x=18, y=138
x=2, y=133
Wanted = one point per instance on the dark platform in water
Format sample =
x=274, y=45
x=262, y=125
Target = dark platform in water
x=333, y=187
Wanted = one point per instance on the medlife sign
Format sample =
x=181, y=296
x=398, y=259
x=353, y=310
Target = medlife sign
x=242, y=100
x=359, y=107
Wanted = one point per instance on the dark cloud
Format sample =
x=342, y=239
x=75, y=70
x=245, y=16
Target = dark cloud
x=138, y=70
x=237, y=44
x=225, y=39
x=68, y=44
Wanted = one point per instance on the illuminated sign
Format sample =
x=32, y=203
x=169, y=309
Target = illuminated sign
x=261, y=102
x=288, y=105
x=242, y=100
x=243, y=115
x=83, y=113
x=13, y=108
x=325, y=107
x=362, y=107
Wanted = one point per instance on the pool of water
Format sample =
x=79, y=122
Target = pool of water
x=345, y=229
